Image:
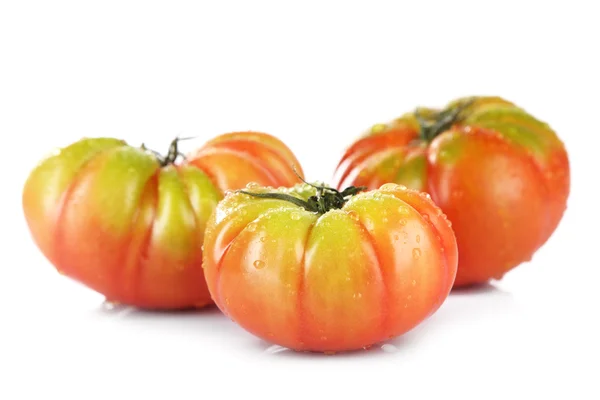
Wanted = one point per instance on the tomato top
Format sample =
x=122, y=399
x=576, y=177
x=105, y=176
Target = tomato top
x=397, y=151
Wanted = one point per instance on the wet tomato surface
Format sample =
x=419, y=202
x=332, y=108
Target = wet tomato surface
x=314, y=269
x=129, y=223
x=500, y=175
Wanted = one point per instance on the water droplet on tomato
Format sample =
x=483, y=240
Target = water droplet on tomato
x=396, y=237
x=402, y=222
x=426, y=217
x=416, y=253
x=414, y=282
x=295, y=215
x=227, y=300
x=270, y=334
x=323, y=338
x=384, y=219
x=418, y=238
x=251, y=227
x=243, y=211
x=263, y=239
x=353, y=215
x=403, y=210
x=457, y=193
x=258, y=264
x=252, y=185
x=409, y=297
x=377, y=195
x=357, y=295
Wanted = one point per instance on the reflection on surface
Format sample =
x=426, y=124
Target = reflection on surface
x=483, y=309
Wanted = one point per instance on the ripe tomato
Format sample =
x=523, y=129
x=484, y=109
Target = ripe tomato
x=500, y=175
x=129, y=223
x=319, y=270
x=234, y=159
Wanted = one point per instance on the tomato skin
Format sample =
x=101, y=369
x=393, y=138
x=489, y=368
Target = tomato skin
x=110, y=216
x=339, y=281
x=501, y=176
x=234, y=159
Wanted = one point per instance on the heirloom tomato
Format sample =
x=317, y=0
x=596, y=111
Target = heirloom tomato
x=498, y=173
x=129, y=223
x=315, y=269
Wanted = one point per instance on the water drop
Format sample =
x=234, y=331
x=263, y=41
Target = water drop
x=396, y=237
x=323, y=338
x=252, y=185
x=263, y=239
x=384, y=219
x=403, y=210
x=295, y=216
x=251, y=227
x=402, y=222
x=414, y=282
x=426, y=217
x=416, y=253
x=227, y=301
x=353, y=215
x=258, y=264
x=418, y=238
x=243, y=211
x=377, y=195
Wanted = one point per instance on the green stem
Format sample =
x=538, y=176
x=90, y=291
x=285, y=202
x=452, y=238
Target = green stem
x=172, y=154
x=325, y=200
x=432, y=126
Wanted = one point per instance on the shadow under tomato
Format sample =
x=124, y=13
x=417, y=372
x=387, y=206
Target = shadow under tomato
x=479, y=288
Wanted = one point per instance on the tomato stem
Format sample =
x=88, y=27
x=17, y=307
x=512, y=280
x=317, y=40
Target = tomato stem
x=433, y=125
x=324, y=200
x=172, y=154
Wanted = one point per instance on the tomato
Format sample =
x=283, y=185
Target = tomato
x=234, y=159
x=129, y=224
x=319, y=270
x=499, y=174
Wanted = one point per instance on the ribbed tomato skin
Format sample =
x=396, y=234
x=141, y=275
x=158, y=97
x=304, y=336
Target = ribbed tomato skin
x=337, y=281
x=109, y=216
x=500, y=175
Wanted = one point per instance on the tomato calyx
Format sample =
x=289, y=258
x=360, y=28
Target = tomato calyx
x=172, y=154
x=432, y=126
x=324, y=200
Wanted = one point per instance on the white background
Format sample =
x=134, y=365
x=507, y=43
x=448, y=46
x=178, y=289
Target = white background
x=315, y=74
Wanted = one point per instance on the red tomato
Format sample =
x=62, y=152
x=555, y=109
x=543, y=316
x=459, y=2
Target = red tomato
x=129, y=224
x=317, y=270
x=500, y=175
